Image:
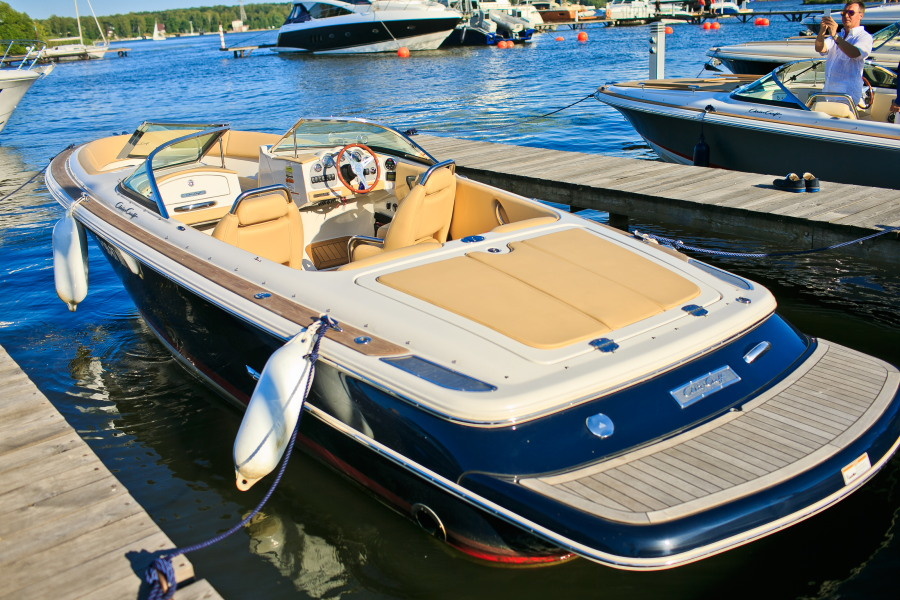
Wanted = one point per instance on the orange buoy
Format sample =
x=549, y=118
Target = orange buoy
x=765, y=22
x=707, y=25
x=582, y=36
x=716, y=25
x=403, y=52
x=669, y=29
x=560, y=38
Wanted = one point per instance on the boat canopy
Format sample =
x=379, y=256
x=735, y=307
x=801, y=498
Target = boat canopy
x=774, y=89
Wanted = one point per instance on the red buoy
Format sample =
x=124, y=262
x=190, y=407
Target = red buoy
x=716, y=25
x=707, y=25
x=582, y=36
x=669, y=29
x=560, y=38
x=403, y=52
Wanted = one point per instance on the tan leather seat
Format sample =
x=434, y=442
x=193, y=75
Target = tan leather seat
x=423, y=216
x=267, y=223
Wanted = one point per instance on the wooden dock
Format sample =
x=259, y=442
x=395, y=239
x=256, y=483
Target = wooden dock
x=718, y=200
x=66, y=522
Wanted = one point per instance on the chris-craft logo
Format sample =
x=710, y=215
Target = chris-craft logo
x=768, y=113
x=127, y=210
x=699, y=388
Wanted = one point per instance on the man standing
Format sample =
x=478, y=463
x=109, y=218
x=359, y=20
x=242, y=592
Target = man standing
x=845, y=52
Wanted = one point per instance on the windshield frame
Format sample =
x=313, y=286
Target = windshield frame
x=291, y=144
x=790, y=100
x=154, y=162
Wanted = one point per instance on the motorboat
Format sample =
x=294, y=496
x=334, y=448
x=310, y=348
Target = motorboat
x=490, y=24
x=639, y=12
x=727, y=7
x=21, y=68
x=75, y=48
x=359, y=26
x=781, y=122
x=760, y=58
x=874, y=19
x=525, y=384
x=554, y=12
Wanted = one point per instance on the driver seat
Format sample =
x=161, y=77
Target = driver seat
x=266, y=222
x=423, y=216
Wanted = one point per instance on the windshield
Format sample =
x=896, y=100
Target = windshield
x=774, y=89
x=166, y=146
x=329, y=133
x=884, y=36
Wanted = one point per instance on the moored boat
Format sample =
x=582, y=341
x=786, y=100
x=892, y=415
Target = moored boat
x=760, y=58
x=525, y=384
x=20, y=70
x=361, y=26
x=775, y=124
x=874, y=19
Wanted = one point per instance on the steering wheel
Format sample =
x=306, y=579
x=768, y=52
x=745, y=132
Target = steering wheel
x=358, y=161
x=868, y=95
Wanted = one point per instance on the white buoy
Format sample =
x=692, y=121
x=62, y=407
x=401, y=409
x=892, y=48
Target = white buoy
x=70, y=262
x=274, y=409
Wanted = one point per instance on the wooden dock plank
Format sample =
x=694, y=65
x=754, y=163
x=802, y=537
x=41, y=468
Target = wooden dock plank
x=683, y=194
x=68, y=528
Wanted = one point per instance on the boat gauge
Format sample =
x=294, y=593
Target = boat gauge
x=390, y=164
x=318, y=167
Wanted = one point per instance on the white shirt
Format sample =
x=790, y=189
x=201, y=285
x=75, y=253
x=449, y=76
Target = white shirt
x=843, y=75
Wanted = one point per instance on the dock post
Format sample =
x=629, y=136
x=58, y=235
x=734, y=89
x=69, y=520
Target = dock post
x=657, y=50
x=222, y=38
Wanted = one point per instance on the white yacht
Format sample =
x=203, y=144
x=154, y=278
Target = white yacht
x=354, y=26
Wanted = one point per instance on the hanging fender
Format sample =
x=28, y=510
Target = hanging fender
x=274, y=409
x=70, y=261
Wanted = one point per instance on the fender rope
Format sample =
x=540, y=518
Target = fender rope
x=160, y=574
x=679, y=245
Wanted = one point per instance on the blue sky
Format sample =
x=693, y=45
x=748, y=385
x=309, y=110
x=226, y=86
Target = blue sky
x=66, y=8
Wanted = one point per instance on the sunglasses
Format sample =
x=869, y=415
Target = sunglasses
x=848, y=13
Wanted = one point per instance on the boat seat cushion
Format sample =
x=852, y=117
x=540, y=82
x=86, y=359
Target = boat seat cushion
x=550, y=291
x=267, y=225
x=423, y=216
x=834, y=109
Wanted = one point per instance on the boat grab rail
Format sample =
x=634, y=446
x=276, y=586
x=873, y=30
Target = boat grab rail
x=423, y=178
x=278, y=187
x=34, y=51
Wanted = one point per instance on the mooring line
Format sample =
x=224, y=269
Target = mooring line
x=679, y=245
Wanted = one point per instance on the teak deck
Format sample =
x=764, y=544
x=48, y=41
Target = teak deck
x=800, y=423
x=66, y=522
x=656, y=192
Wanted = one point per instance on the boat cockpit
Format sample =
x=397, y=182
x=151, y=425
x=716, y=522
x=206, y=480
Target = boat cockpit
x=801, y=85
x=329, y=194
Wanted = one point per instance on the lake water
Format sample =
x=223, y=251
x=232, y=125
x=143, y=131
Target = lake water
x=169, y=440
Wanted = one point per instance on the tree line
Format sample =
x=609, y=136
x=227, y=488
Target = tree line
x=136, y=24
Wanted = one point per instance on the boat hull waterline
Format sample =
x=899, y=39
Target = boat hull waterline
x=519, y=507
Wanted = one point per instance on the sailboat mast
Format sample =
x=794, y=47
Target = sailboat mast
x=78, y=20
x=100, y=29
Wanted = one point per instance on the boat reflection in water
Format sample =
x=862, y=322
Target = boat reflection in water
x=526, y=385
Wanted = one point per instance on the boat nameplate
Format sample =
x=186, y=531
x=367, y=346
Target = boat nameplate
x=600, y=425
x=701, y=387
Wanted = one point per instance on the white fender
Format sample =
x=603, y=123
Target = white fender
x=70, y=262
x=274, y=409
